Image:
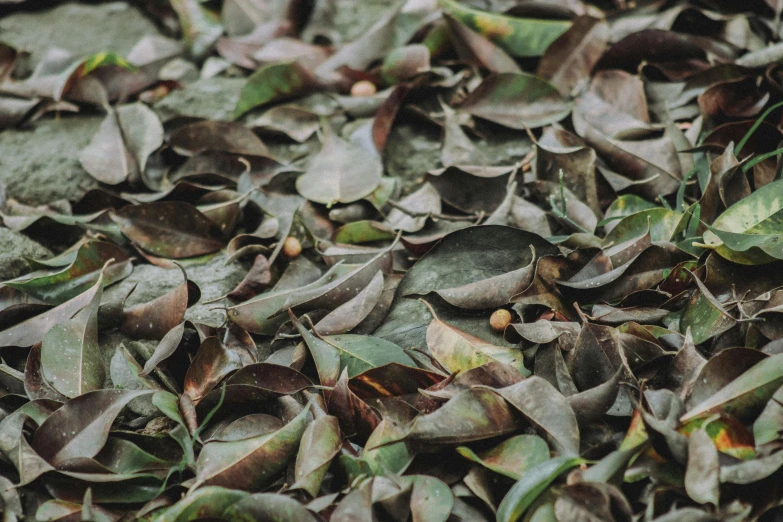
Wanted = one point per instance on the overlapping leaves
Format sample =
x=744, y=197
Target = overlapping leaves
x=565, y=306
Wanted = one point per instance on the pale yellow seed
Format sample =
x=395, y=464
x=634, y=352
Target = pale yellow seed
x=500, y=319
x=363, y=88
x=291, y=247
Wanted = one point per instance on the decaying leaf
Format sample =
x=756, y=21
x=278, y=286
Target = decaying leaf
x=461, y=260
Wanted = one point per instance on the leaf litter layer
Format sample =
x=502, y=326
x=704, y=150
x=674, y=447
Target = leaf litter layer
x=503, y=261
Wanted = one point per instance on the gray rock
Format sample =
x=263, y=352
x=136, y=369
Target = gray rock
x=214, y=278
x=13, y=246
x=40, y=164
x=212, y=98
x=79, y=28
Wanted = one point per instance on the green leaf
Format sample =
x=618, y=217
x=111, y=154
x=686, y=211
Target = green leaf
x=33, y=330
x=521, y=37
x=459, y=351
x=102, y=59
x=705, y=315
x=405, y=62
x=273, y=82
x=359, y=353
x=750, y=248
x=624, y=206
x=431, y=498
x=71, y=359
x=662, y=223
x=529, y=487
x=168, y=404
x=56, y=287
x=80, y=427
x=513, y=457
x=206, y=502
x=517, y=101
x=124, y=457
x=268, y=506
x=759, y=214
x=200, y=26
x=381, y=454
x=364, y=231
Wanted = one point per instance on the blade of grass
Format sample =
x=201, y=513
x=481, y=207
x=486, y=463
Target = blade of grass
x=758, y=159
x=755, y=126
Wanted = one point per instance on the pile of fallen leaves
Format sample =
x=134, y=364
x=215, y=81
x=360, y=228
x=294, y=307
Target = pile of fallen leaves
x=587, y=325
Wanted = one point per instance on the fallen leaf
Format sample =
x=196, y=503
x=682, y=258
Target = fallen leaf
x=340, y=173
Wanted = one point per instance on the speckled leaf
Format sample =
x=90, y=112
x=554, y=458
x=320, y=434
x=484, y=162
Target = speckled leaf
x=33, y=330
x=623, y=206
x=212, y=362
x=71, y=359
x=171, y=229
x=751, y=230
x=154, y=319
x=166, y=347
x=81, y=426
x=705, y=315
